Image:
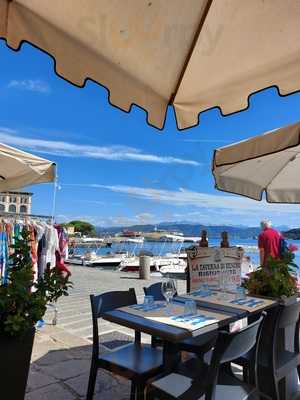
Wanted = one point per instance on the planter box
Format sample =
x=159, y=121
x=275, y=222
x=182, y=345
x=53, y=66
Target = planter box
x=14, y=365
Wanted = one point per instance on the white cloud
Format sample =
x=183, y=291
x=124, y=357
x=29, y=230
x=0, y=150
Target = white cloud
x=226, y=203
x=33, y=85
x=66, y=149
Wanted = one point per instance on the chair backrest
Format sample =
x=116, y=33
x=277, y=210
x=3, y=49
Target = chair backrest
x=106, y=302
x=286, y=331
x=289, y=315
x=240, y=342
x=155, y=291
x=232, y=345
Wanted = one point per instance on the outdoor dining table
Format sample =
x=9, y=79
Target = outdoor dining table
x=172, y=335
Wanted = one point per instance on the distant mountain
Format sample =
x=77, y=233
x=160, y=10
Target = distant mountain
x=292, y=234
x=188, y=229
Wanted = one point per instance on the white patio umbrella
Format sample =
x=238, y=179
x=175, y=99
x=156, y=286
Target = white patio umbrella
x=191, y=54
x=267, y=163
x=19, y=169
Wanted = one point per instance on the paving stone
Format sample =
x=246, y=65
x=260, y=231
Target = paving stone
x=37, y=379
x=54, y=356
x=67, y=369
x=115, y=339
x=85, y=352
x=41, y=350
x=51, y=392
x=69, y=340
x=83, y=332
x=105, y=382
x=79, y=324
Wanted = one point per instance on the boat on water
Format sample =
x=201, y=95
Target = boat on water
x=132, y=264
x=138, y=240
x=92, y=259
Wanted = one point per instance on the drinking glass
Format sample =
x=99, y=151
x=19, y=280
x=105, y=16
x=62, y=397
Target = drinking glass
x=190, y=307
x=168, y=289
x=148, y=302
x=240, y=293
x=223, y=282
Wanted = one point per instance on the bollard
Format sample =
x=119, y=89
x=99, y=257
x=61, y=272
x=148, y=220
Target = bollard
x=145, y=262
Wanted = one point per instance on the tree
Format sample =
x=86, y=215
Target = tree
x=85, y=228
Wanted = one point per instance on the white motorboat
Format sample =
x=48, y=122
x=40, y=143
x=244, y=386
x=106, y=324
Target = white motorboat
x=91, y=259
x=176, y=271
x=180, y=255
x=132, y=264
x=92, y=240
x=171, y=238
x=75, y=259
x=137, y=240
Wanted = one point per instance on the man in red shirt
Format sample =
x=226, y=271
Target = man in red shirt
x=268, y=242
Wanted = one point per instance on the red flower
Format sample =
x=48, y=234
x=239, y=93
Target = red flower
x=292, y=248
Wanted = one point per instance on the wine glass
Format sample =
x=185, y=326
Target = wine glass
x=168, y=289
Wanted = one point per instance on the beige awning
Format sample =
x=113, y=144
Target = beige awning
x=193, y=54
x=268, y=163
x=19, y=169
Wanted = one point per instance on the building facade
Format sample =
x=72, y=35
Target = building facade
x=16, y=202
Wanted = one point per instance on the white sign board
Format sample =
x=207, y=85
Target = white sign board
x=207, y=264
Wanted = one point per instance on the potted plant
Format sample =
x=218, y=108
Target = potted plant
x=277, y=279
x=22, y=303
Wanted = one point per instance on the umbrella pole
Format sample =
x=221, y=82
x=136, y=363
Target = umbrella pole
x=55, y=183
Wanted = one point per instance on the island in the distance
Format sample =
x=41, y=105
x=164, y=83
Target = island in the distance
x=293, y=234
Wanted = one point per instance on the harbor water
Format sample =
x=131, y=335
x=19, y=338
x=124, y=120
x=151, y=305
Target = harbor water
x=162, y=248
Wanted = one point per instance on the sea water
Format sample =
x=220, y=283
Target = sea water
x=162, y=248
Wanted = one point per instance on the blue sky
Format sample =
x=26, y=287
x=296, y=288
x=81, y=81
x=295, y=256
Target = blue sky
x=113, y=167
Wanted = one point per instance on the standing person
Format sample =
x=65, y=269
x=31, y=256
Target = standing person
x=268, y=242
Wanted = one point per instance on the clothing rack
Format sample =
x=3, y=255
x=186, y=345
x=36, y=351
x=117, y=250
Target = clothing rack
x=20, y=215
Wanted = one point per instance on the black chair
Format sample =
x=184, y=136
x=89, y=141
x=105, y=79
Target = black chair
x=136, y=362
x=278, y=352
x=212, y=381
x=197, y=345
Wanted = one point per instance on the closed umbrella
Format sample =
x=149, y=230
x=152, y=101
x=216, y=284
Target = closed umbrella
x=267, y=163
x=19, y=169
x=192, y=54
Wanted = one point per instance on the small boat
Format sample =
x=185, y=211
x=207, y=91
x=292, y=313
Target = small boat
x=171, y=238
x=91, y=259
x=175, y=271
x=132, y=264
x=138, y=240
x=76, y=259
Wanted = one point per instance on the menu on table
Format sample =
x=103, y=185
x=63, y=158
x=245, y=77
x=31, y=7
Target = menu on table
x=176, y=316
x=229, y=300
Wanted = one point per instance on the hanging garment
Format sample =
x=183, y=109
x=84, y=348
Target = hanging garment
x=33, y=250
x=60, y=265
x=51, y=245
x=62, y=240
x=3, y=257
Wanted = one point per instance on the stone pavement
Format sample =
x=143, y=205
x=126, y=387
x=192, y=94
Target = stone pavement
x=61, y=354
x=60, y=367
